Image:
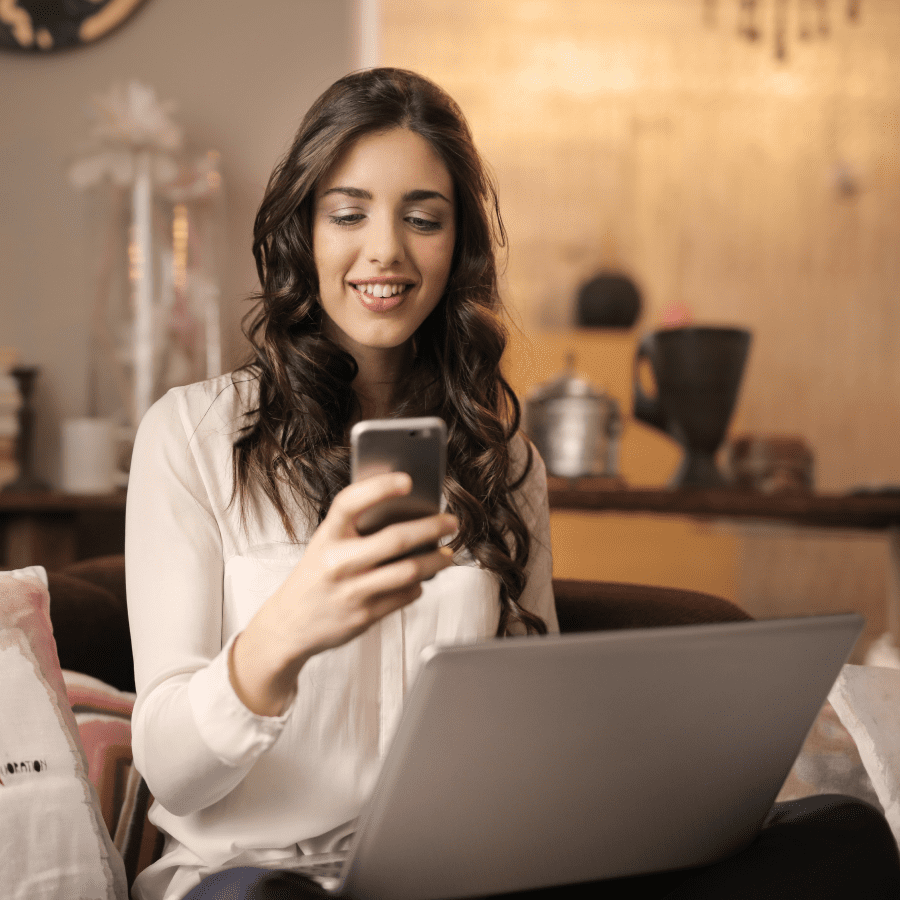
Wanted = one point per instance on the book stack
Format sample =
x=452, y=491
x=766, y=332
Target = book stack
x=10, y=402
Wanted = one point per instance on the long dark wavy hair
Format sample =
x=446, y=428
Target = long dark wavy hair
x=295, y=441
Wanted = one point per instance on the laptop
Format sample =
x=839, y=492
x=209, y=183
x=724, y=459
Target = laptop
x=522, y=763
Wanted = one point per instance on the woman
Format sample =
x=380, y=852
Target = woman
x=272, y=649
x=272, y=652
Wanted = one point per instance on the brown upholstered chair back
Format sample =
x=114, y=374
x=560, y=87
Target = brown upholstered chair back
x=90, y=618
x=606, y=605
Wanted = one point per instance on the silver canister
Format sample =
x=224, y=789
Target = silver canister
x=575, y=427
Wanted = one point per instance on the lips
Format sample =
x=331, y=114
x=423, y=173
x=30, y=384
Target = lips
x=382, y=295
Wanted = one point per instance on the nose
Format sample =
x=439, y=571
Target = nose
x=385, y=242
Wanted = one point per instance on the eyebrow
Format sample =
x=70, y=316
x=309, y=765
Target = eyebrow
x=408, y=197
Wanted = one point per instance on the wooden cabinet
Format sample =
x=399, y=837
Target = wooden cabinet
x=878, y=513
x=52, y=529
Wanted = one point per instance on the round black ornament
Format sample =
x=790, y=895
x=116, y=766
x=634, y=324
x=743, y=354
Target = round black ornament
x=608, y=300
x=44, y=26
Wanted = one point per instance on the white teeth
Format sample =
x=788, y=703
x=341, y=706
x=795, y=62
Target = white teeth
x=381, y=290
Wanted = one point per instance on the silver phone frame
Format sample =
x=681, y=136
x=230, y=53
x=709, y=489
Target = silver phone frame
x=394, y=453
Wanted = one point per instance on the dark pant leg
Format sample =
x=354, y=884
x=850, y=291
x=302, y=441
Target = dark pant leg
x=826, y=847
x=232, y=884
x=283, y=885
x=251, y=883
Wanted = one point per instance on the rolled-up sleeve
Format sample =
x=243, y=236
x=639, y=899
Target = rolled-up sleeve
x=193, y=740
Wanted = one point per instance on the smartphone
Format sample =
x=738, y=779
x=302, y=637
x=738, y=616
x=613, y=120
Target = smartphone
x=416, y=446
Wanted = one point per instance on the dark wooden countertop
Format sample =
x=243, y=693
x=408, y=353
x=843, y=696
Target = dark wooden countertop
x=872, y=512
x=855, y=511
x=16, y=502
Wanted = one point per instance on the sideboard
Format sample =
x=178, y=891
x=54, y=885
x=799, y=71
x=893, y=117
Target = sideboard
x=53, y=529
x=873, y=512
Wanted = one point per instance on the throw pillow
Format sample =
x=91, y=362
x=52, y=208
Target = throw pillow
x=103, y=715
x=55, y=843
x=865, y=698
x=829, y=763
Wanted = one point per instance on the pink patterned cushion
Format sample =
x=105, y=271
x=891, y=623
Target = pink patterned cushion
x=103, y=716
x=45, y=789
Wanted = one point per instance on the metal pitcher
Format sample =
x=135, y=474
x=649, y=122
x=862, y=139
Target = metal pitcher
x=575, y=427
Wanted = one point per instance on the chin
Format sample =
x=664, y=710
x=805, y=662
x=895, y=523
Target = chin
x=380, y=340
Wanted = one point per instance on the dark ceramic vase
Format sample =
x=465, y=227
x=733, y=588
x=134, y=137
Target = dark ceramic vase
x=608, y=300
x=698, y=372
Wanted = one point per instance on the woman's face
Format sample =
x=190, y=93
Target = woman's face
x=384, y=230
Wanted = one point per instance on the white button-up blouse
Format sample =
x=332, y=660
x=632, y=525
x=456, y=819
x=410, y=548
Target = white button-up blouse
x=232, y=787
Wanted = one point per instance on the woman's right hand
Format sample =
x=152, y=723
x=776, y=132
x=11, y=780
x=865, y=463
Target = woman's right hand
x=338, y=590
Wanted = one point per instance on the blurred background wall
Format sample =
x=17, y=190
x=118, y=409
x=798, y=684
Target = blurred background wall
x=755, y=182
x=751, y=184
x=240, y=75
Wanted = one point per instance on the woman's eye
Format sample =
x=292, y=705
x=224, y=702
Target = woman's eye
x=346, y=218
x=423, y=224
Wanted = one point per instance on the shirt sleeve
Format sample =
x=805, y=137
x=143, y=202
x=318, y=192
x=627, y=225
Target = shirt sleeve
x=534, y=507
x=193, y=740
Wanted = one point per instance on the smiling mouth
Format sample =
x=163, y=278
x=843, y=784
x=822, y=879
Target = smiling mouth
x=380, y=291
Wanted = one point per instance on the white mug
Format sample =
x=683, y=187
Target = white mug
x=89, y=456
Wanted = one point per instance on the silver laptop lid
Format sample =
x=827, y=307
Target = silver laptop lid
x=527, y=762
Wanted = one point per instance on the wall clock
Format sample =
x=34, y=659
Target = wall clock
x=42, y=26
